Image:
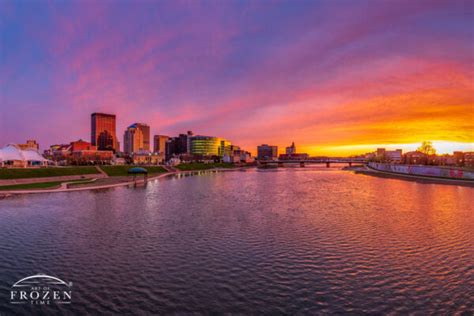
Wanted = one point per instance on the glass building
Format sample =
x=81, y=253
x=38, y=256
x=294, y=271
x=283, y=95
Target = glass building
x=103, y=131
x=206, y=145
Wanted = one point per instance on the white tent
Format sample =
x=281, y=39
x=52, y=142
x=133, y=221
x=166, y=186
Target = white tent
x=14, y=155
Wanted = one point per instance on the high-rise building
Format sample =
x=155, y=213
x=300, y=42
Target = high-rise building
x=188, y=141
x=178, y=145
x=184, y=142
x=170, y=148
x=225, y=148
x=266, y=152
x=136, y=138
x=160, y=143
x=103, y=131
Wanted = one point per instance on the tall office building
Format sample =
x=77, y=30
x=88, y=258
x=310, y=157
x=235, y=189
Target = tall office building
x=266, y=152
x=225, y=148
x=136, y=138
x=103, y=131
x=178, y=145
x=159, y=142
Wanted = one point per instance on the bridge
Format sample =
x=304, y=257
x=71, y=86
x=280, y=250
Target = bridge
x=303, y=162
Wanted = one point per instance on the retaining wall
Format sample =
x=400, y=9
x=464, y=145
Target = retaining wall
x=427, y=171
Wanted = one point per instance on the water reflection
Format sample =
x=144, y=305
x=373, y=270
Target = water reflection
x=307, y=240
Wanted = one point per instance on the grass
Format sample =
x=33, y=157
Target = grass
x=120, y=171
x=203, y=166
x=37, y=185
x=30, y=186
x=24, y=173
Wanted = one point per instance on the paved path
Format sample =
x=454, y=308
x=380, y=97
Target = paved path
x=102, y=171
x=64, y=188
x=64, y=185
x=170, y=168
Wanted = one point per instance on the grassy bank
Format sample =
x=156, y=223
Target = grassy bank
x=31, y=186
x=203, y=166
x=120, y=171
x=38, y=185
x=24, y=173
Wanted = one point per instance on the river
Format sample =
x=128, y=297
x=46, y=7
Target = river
x=308, y=241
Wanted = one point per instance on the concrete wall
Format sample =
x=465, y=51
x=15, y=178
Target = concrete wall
x=429, y=171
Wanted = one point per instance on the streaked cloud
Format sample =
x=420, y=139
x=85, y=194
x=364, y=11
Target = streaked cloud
x=327, y=75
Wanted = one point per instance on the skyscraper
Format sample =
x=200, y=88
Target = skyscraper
x=136, y=138
x=103, y=131
x=160, y=143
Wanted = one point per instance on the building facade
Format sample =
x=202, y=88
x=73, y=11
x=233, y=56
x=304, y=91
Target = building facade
x=469, y=159
x=82, y=152
x=237, y=155
x=82, y=145
x=147, y=158
x=13, y=156
x=30, y=144
x=291, y=149
x=136, y=138
x=206, y=145
x=159, y=143
x=415, y=158
x=103, y=133
x=226, y=148
x=178, y=146
x=393, y=155
x=267, y=152
x=294, y=156
x=79, y=152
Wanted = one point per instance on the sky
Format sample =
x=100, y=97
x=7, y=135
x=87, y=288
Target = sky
x=336, y=77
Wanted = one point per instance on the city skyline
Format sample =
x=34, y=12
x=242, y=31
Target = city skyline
x=327, y=76
x=153, y=138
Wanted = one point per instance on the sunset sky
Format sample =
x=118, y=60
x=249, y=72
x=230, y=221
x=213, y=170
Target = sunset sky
x=336, y=77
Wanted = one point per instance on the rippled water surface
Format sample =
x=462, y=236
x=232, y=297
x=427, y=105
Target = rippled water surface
x=308, y=241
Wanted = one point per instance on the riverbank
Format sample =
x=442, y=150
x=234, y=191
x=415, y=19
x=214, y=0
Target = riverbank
x=416, y=178
x=101, y=182
x=106, y=183
x=18, y=174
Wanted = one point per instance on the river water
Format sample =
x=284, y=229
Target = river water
x=308, y=241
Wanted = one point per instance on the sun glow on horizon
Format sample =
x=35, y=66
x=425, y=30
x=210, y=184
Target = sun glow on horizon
x=442, y=147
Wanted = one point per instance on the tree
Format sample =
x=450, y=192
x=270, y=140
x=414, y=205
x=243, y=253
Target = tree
x=427, y=148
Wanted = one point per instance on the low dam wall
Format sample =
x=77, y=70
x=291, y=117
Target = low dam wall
x=427, y=171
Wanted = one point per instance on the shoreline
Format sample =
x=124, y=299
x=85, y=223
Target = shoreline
x=63, y=187
x=414, y=178
x=364, y=170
